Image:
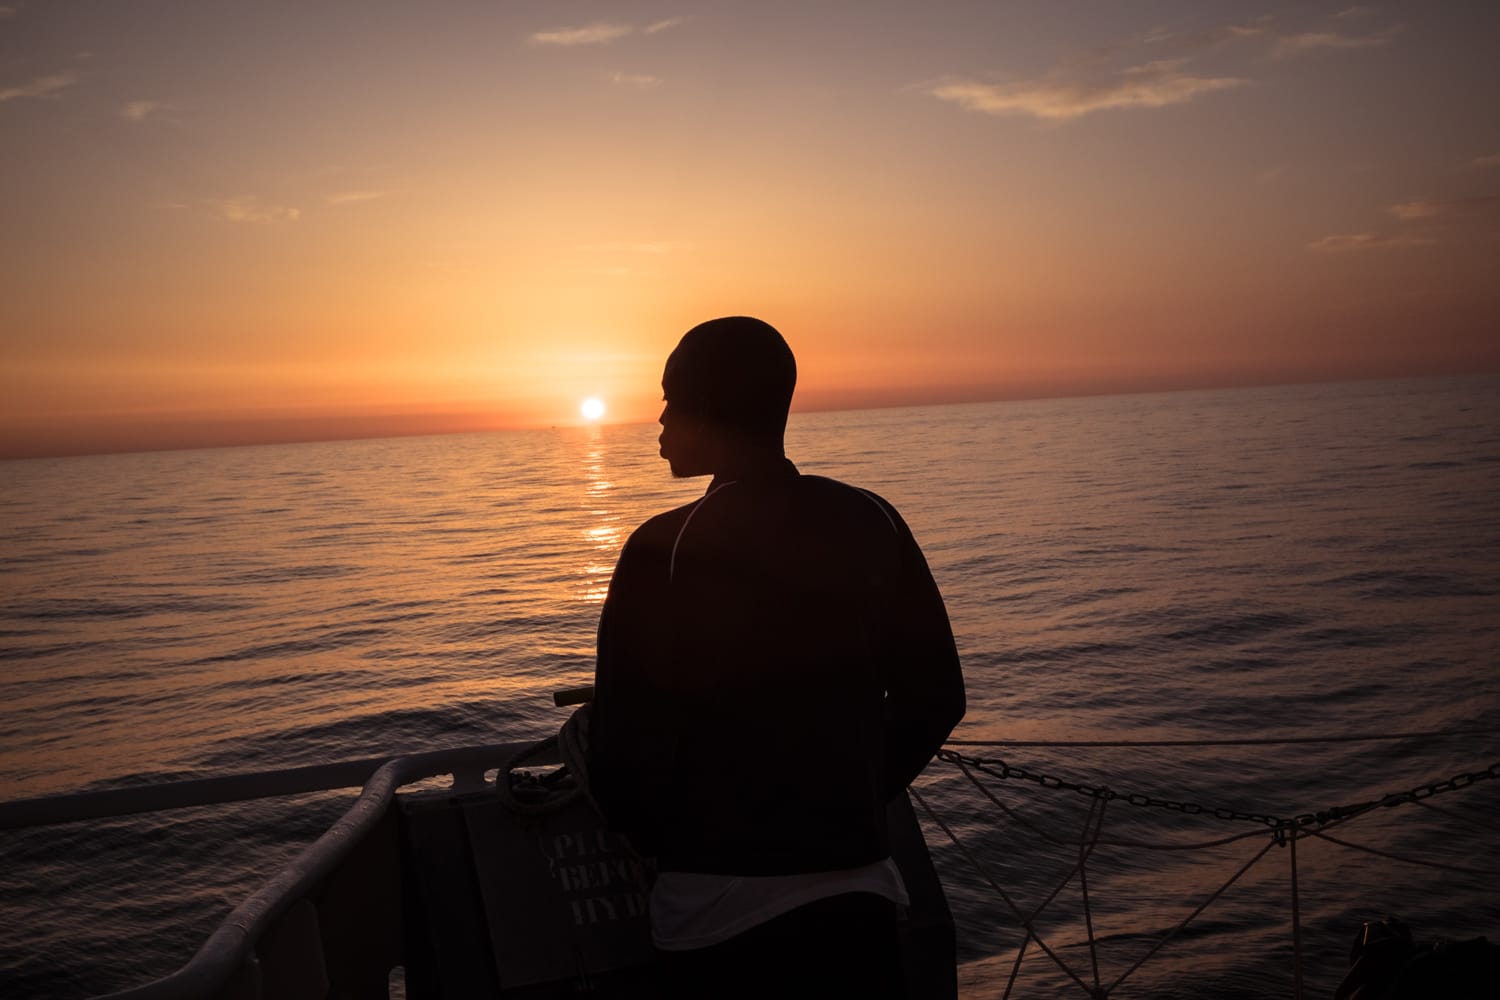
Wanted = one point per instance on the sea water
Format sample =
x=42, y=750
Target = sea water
x=1267, y=563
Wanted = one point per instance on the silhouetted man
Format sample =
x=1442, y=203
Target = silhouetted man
x=775, y=664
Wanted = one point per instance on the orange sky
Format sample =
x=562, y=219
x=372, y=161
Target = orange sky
x=232, y=223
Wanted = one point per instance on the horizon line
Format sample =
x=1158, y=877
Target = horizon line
x=8, y=454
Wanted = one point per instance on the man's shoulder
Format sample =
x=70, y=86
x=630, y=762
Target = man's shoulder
x=838, y=487
x=835, y=491
x=660, y=530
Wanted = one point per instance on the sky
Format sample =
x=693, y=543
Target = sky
x=228, y=223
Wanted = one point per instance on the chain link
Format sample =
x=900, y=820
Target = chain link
x=1279, y=825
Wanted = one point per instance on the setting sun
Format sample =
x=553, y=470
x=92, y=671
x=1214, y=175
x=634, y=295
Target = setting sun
x=592, y=408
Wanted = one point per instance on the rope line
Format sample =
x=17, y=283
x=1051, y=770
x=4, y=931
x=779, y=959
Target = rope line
x=1245, y=742
x=1283, y=832
x=1016, y=968
x=1199, y=845
x=1067, y=877
x=984, y=790
x=1092, y=825
x=1004, y=896
x=1192, y=916
x=1488, y=872
x=1457, y=816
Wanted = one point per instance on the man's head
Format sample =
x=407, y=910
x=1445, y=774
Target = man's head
x=728, y=387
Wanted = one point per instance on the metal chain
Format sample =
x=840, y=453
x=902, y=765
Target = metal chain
x=1000, y=769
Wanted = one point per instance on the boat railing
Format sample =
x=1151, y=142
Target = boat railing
x=287, y=924
x=227, y=964
x=984, y=771
x=134, y=799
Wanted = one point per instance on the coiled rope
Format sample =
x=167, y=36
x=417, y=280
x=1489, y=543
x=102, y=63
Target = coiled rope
x=528, y=795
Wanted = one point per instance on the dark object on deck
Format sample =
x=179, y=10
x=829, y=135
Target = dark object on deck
x=1386, y=964
x=573, y=696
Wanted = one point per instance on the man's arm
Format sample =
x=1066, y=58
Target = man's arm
x=631, y=744
x=925, y=687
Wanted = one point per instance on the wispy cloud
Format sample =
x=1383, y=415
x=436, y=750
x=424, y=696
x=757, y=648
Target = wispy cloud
x=640, y=81
x=1282, y=42
x=1355, y=242
x=248, y=208
x=663, y=25
x=1204, y=38
x=1053, y=98
x=1417, y=208
x=597, y=33
x=355, y=197
x=1308, y=41
x=7, y=11
x=1427, y=208
x=41, y=86
x=139, y=111
x=600, y=32
x=1486, y=161
x=1116, y=76
x=649, y=247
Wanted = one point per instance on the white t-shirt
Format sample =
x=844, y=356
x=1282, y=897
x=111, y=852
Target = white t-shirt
x=691, y=910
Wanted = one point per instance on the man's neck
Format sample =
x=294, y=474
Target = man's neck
x=752, y=463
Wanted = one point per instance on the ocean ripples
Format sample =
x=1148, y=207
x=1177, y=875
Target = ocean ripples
x=322, y=643
x=1231, y=629
x=379, y=732
x=286, y=574
x=1400, y=585
x=68, y=609
x=1298, y=561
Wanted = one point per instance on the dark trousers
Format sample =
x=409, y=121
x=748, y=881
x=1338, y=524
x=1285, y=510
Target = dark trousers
x=841, y=946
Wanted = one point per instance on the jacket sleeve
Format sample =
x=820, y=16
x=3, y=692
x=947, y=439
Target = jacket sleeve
x=925, y=685
x=631, y=738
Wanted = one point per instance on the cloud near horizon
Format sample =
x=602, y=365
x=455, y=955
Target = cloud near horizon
x=41, y=87
x=247, y=208
x=654, y=247
x=600, y=32
x=1417, y=208
x=1207, y=38
x=662, y=25
x=1066, y=92
x=1365, y=241
x=1152, y=85
x=640, y=81
x=354, y=197
x=1308, y=41
x=139, y=111
x=1426, y=208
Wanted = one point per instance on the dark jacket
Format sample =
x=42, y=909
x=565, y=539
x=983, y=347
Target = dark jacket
x=775, y=664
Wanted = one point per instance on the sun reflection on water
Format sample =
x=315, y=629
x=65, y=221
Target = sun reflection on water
x=604, y=534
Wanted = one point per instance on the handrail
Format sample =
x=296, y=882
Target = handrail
x=229, y=946
x=109, y=802
x=128, y=800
